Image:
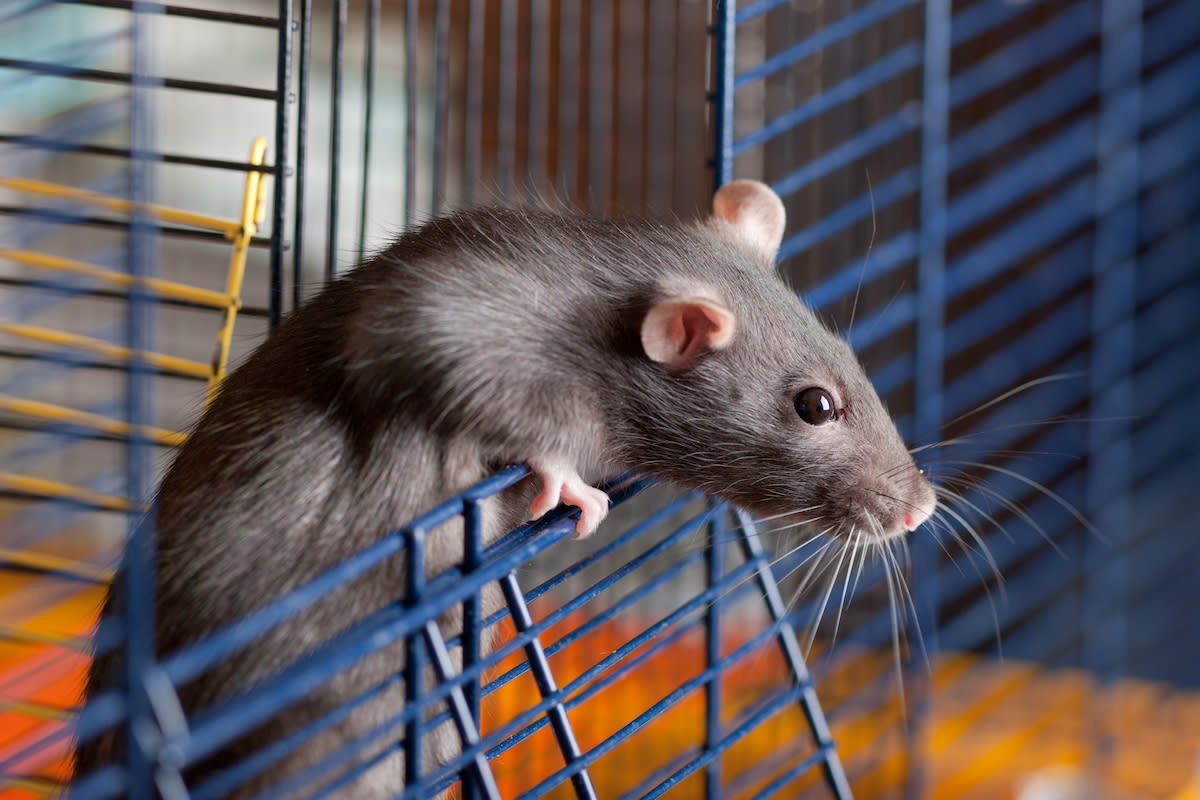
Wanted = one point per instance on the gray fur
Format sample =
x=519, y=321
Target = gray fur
x=486, y=338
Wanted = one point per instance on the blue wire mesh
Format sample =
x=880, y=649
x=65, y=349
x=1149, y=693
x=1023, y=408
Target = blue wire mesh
x=1003, y=194
x=982, y=195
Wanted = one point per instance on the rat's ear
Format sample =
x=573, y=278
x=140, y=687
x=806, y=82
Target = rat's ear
x=754, y=212
x=677, y=329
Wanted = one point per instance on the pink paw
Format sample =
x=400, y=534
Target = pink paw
x=561, y=483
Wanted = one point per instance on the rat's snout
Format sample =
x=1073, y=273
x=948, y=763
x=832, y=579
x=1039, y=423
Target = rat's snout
x=917, y=509
x=917, y=515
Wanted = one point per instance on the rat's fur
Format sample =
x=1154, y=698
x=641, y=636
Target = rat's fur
x=485, y=338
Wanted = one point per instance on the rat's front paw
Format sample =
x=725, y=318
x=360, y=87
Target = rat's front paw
x=561, y=483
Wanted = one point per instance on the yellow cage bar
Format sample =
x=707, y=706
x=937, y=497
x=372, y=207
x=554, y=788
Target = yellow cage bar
x=240, y=232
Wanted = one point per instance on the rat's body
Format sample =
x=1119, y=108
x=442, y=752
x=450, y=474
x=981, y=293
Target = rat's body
x=489, y=338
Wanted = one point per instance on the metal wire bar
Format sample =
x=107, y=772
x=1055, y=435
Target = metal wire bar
x=61, y=145
x=848, y=25
x=340, y=12
x=881, y=133
x=412, y=19
x=1069, y=90
x=714, y=561
x=473, y=112
x=140, y=560
x=724, y=39
x=283, y=80
x=464, y=718
x=111, y=76
x=305, y=31
x=1026, y=235
x=414, y=659
x=754, y=552
x=888, y=67
x=367, y=135
x=441, y=106
x=1057, y=159
x=172, y=10
x=1065, y=31
x=580, y=780
x=569, y=32
x=713, y=753
x=890, y=191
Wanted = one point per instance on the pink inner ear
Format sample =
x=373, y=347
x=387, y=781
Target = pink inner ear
x=704, y=326
x=676, y=331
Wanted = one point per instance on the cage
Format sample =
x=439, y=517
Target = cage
x=997, y=203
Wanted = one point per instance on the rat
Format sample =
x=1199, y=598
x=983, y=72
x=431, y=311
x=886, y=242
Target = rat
x=484, y=338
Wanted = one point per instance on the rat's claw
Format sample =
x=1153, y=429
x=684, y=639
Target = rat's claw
x=561, y=483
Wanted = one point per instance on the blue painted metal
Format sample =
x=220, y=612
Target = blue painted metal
x=1112, y=336
x=1052, y=230
x=714, y=557
x=414, y=658
x=868, y=15
x=935, y=228
x=724, y=40
x=893, y=64
x=871, y=139
x=547, y=686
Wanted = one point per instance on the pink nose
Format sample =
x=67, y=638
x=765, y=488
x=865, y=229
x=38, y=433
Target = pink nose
x=914, y=517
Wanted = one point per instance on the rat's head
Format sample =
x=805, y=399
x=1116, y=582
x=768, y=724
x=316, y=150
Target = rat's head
x=747, y=395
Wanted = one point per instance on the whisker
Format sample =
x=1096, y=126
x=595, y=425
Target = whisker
x=1048, y=492
x=902, y=585
x=816, y=623
x=821, y=565
x=856, y=550
x=1024, y=387
x=1020, y=512
x=870, y=243
x=894, y=616
x=983, y=548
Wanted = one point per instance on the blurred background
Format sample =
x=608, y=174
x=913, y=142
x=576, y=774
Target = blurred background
x=998, y=203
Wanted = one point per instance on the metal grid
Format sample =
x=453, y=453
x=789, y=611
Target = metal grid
x=1024, y=173
x=1005, y=196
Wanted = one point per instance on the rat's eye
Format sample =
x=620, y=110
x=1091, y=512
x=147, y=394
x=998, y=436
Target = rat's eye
x=815, y=406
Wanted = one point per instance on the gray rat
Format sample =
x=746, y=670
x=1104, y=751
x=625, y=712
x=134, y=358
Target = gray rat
x=484, y=338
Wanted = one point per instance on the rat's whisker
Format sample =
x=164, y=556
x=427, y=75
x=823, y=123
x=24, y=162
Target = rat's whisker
x=984, y=550
x=1045, y=491
x=1020, y=512
x=801, y=546
x=895, y=621
x=817, y=569
x=985, y=584
x=994, y=452
x=903, y=503
x=816, y=622
x=905, y=594
x=867, y=545
x=866, y=258
x=1017, y=510
x=817, y=557
x=1024, y=387
x=966, y=438
x=941, y=525
x=961, y=499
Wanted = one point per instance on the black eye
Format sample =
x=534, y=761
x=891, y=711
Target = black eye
x=815, y=406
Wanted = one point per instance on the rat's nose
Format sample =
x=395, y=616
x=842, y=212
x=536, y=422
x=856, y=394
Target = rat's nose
x=916, y=516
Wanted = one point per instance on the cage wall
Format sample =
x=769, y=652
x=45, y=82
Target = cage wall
x=980, y=192
x=981, y=196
